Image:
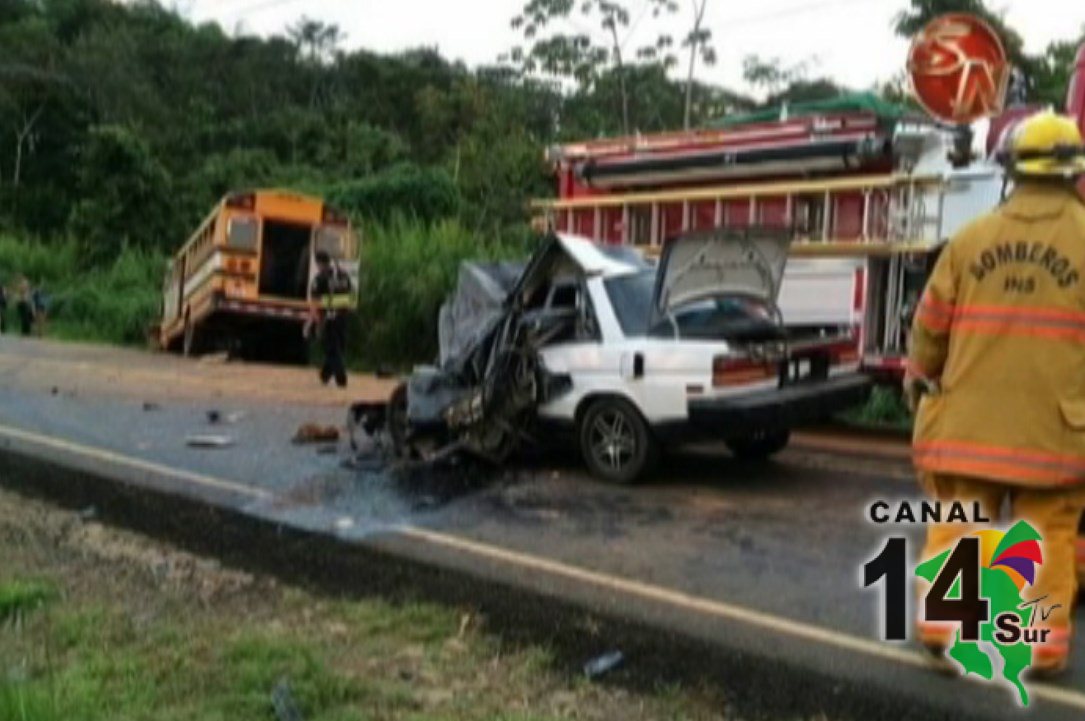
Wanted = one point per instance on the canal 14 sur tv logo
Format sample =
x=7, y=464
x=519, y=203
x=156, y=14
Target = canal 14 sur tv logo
x=980, y=589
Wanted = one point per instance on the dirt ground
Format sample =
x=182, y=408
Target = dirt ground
x=125, y=627
x=91, y=370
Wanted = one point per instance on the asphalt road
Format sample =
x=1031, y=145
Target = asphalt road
x=763, y=558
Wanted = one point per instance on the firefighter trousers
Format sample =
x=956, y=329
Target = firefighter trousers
x=1054, y=513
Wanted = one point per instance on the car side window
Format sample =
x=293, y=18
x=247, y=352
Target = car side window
x=566, y=317
x=565, y=296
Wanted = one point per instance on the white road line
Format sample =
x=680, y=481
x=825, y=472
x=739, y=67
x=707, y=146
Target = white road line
x=719, y=609
x=100, y=454
x=631, y=587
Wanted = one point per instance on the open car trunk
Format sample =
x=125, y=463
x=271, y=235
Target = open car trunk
x=284, y=263
x=721, y=284
x=724, y=262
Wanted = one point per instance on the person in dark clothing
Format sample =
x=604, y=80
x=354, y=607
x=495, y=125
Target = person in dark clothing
x=330, y=299
x=23, y=307
x=3, y=306
x=39, y=305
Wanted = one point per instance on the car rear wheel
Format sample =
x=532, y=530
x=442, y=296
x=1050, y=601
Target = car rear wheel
x=615, y=441
x=760, y=446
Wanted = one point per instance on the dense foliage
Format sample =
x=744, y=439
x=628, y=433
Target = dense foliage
x=122, y=123
x=114, y=301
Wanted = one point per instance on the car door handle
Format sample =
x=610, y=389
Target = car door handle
x=631, y=366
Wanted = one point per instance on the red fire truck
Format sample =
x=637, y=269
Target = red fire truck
x=869, y=191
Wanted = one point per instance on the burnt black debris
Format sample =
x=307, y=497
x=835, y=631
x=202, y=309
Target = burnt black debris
x=479, y=399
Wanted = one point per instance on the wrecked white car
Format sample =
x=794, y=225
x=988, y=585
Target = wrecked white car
x=623, y=355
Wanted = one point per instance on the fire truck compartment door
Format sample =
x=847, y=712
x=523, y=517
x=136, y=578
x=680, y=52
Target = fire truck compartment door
x=709, y=264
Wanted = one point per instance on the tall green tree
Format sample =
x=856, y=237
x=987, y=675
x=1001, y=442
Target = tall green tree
x=125, y=197
x=120, y=123
x=576, y=54
x=1051, y=72
x=699, y=42
x=31, y=76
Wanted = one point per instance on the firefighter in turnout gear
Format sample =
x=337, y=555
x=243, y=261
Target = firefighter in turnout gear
x=996, y=370
x=331, y=298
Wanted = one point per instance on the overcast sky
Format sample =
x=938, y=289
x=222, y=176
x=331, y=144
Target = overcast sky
x=848, y=40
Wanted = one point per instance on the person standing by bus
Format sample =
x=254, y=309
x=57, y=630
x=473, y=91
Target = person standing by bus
x=3, y=306
x=330, y=299
x=23, y=307
x=39, y=305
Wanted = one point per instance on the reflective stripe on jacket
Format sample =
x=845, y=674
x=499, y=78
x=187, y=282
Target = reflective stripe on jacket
x=1001, y=327
x=339, y=301
x=340, y=292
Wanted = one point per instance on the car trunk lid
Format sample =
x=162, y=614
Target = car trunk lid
x=710, y=264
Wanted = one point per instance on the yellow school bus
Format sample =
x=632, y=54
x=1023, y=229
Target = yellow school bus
x=241, y=281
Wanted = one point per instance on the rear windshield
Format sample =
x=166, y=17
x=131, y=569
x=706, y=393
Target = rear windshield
x=726, y=317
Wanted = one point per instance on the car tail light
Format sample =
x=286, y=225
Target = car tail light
x=729, y=371
x=244, y=201
x=845, y=352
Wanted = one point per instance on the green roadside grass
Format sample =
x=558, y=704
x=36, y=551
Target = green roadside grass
x=100, y=661
x=885, y=410
x=100, y=624
x=75, y=659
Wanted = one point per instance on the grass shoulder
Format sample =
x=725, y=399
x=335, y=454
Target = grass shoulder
x=103, y=624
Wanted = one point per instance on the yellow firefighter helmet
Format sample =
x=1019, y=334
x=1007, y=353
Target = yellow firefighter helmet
x=1047, y=145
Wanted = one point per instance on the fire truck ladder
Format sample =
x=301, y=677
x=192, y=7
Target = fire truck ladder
x=892, y=221
x=867, y=215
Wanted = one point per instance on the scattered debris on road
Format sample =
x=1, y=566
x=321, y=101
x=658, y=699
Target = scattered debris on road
x=214, y=358
x=209, y=441
x=603, y=664
x=214, y=417
x=316, y=433
x=149, y=406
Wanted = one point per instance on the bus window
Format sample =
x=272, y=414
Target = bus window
x=330, y=240
x=243, y=234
